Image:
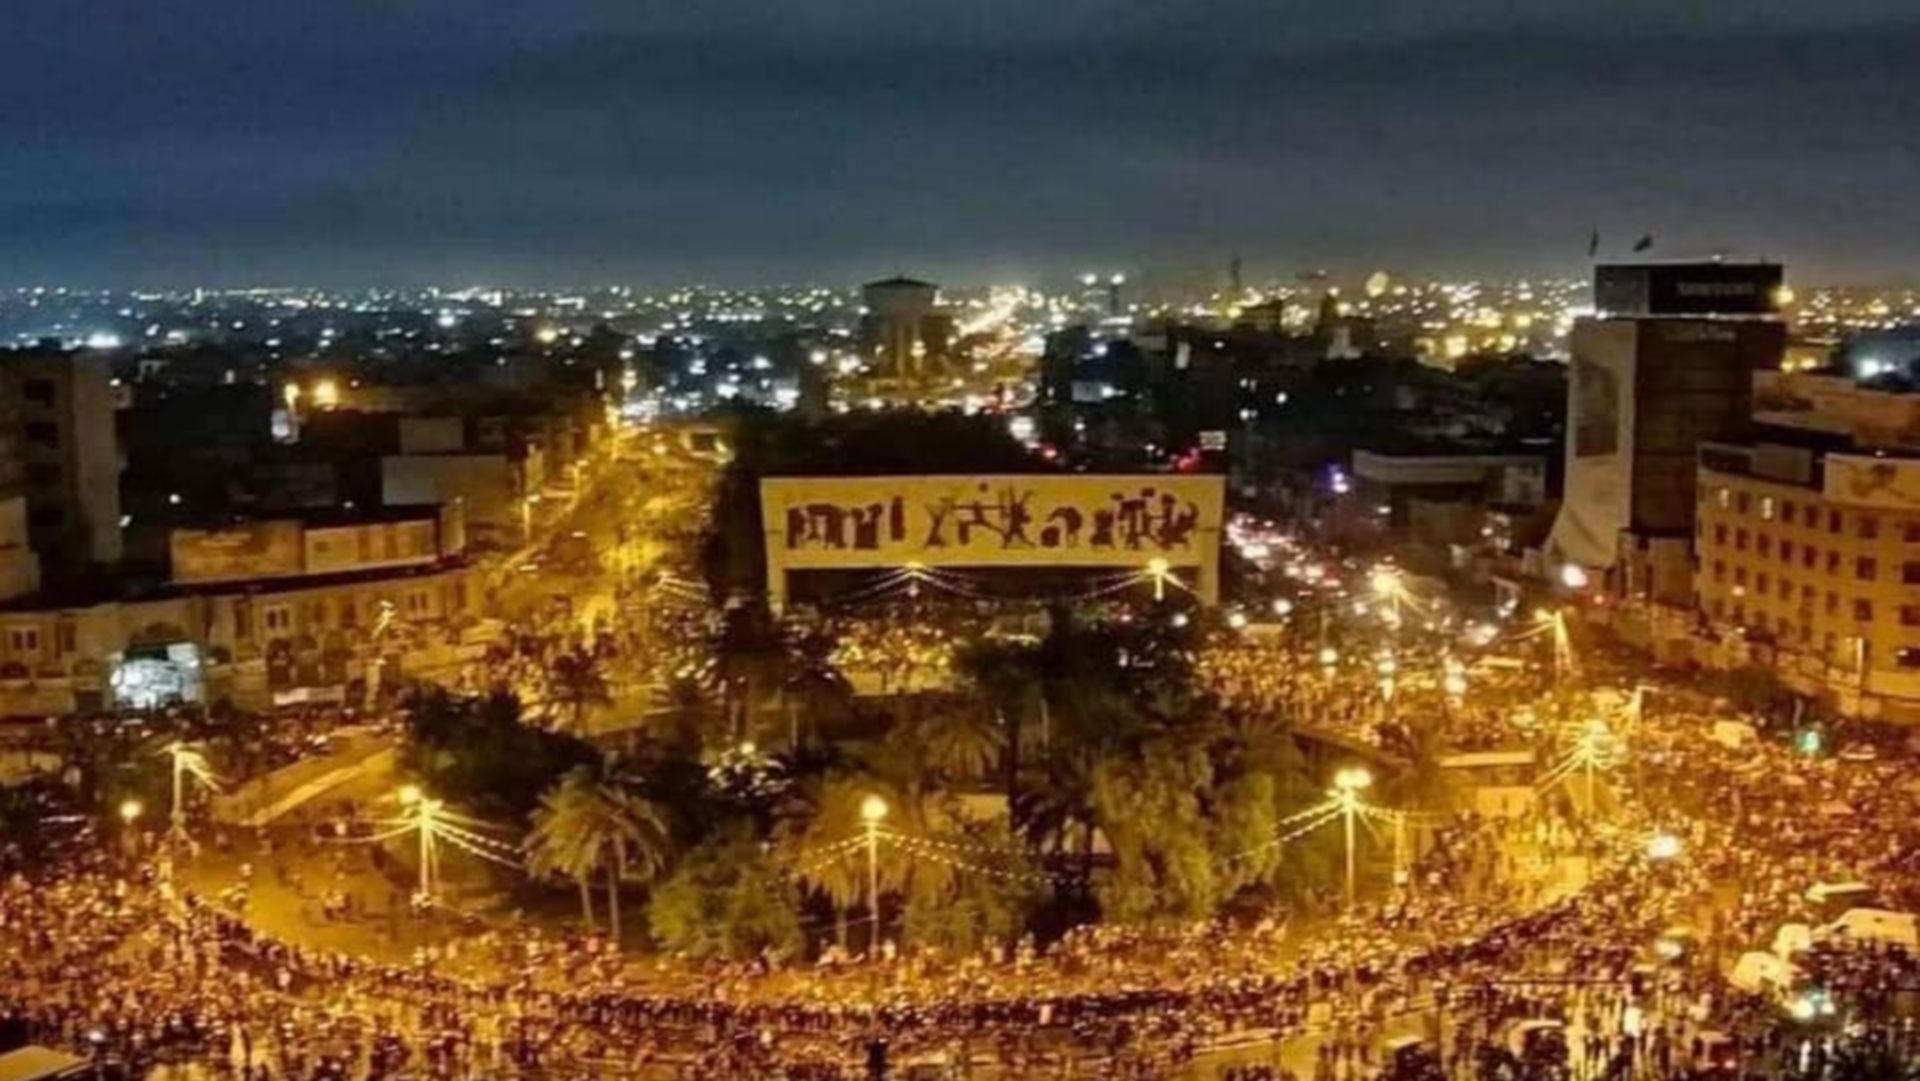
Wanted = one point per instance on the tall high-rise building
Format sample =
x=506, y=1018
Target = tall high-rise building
x=1666, y=364
x=59, y=412
x=902, y=330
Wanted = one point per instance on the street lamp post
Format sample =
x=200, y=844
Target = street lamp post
x=424, y=812
x=1347, y=785
x=873, y=810
x=185, y=762
x=1158, y=569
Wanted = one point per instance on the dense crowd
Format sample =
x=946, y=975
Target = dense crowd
x=1553, y=937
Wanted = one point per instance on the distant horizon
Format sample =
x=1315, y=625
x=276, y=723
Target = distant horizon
x=1147, y=277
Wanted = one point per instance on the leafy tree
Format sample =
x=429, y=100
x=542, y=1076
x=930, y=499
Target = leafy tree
x=476, y=752
x=981, y=890
x=726, y=899
x=1150, y=809
x=812, y=690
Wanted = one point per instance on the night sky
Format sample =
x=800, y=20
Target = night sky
x=340, y=142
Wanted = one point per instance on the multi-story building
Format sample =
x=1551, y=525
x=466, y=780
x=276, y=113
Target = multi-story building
x=901, y=328
x=1667, y=364
x=59, y=407
x=255, y=613
x=1809, y=565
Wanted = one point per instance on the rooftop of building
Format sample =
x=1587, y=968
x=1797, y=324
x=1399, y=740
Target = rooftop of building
x=321, y=517
x=1411, y=445
x=108, y=588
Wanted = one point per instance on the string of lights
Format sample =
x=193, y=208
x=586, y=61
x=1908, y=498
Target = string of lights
x=914, y=846
x=1328, y=811
x=953, y=846
x=819, y=858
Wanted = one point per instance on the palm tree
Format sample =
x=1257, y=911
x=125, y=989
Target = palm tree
x=584, y=825
x=1423, y=783
x=554, y=848
x=952, y=738
x=812, y=686
x=831, y=824
x=577, y=683
x=1010, y=678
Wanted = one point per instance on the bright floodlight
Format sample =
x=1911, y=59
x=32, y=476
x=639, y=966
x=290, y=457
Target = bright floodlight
x=1385, y=582
x=873, y=809
x=1157, y=567
x=1282, y=607
x=1573, y=576
x=1329, y=656
x=1454, y=684
x=1352, y=780
x=1663, y=846
x=131, y=809
x=1236, y=620
x=410, y=794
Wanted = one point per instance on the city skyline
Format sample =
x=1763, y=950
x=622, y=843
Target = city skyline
x=599, y=142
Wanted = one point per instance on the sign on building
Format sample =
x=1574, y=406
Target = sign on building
x=850, y=523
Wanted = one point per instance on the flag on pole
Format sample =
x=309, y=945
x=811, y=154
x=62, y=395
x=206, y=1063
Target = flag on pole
x=1643, y=243
x=1593, y=244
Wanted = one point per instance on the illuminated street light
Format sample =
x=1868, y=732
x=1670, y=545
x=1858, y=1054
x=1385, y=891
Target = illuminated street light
x=1347, y=786
x=1663, y=847
x=1555, y=623
x=1573, y=576
x=1157, y=570
x=1595, y=748
x=1282, y=607
x=873, y=811
x=186, y=762
x=1329, y=657
x=423, y=817
x=131, y=810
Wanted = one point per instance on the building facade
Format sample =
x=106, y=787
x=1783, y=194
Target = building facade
x=901, y=328
x=257, y=613
x=1646, y=389
x=1809, y=566
x=59, y=408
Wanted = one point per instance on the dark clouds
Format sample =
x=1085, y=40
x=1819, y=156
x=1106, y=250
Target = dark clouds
x=349, y=140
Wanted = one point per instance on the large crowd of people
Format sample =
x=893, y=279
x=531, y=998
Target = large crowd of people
x=1558, y=937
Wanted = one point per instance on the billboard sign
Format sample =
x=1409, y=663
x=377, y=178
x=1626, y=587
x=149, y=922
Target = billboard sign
x=852, y=522
x=266, y=549
x=1866, y=481
x=1703, y=288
